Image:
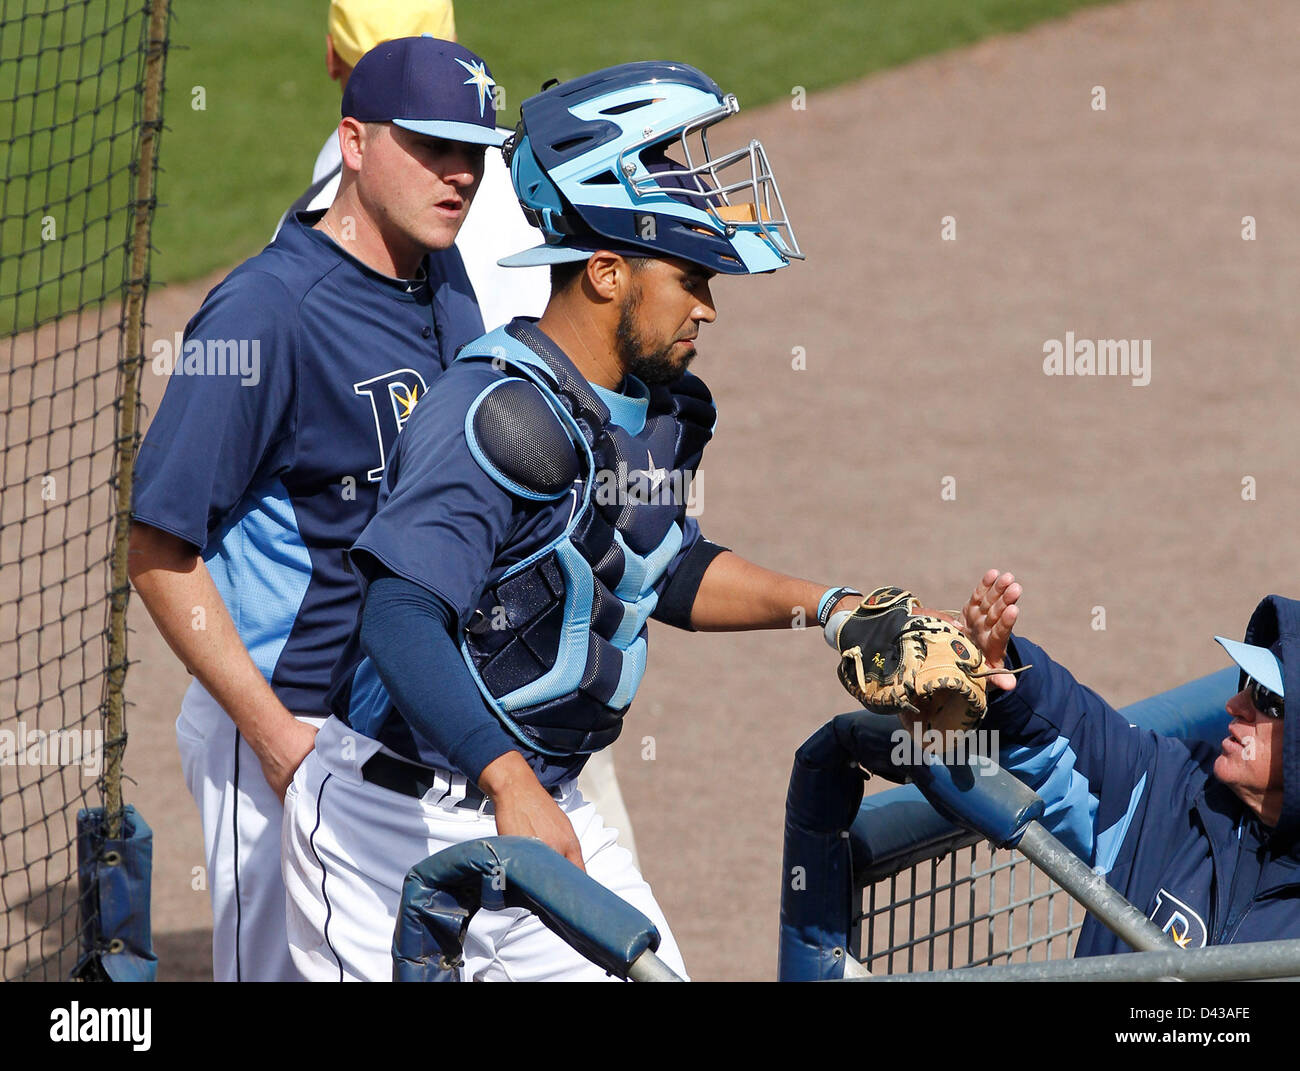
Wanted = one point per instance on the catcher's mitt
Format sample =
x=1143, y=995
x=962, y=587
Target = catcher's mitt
x=922, y=668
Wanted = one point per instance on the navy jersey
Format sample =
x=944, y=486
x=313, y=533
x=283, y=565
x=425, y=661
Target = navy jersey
x=1147, y=813
x=447, y=526
x=279, y=419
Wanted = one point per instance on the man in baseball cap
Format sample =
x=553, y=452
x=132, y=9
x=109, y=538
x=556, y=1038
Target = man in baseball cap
x=534, y=517
x=248, y=492
x=497, y=225
x=416, y=117
x=1204, y=838
x=1250, y=762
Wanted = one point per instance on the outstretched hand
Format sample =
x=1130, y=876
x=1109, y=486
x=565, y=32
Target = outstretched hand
x=989, y=617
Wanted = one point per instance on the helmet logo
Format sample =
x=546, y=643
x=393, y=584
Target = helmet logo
x=479, y=78
x=647, y=228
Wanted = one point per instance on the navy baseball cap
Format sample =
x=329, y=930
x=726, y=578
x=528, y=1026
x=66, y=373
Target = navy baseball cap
x=425, y=85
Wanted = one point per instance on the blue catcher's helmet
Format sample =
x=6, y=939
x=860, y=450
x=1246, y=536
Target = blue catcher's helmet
x=620, y=160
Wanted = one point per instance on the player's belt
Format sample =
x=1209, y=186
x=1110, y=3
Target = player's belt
x=411, y=779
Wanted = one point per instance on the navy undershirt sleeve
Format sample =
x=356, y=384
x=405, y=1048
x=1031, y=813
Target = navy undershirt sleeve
x=405, y=625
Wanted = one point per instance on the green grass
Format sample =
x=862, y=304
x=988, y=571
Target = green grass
x=231, y=166
x=757, y=49
x=67, y=119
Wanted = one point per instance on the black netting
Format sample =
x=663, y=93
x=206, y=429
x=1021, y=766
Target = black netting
x=72, y=85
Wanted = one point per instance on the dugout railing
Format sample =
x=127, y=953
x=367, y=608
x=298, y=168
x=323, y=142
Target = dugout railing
x=901, y=886
x=948, y=900
x=441, y=895
x=890, y=887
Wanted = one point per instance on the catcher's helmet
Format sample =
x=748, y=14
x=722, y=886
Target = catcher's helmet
x=620, y=160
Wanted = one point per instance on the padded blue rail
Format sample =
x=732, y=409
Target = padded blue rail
x=442, y=894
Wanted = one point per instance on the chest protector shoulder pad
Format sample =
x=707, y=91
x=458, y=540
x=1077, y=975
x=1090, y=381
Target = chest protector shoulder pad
x=518, y=440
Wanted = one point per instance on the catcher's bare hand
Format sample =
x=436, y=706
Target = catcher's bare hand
x=989, y=616
x=523, y=808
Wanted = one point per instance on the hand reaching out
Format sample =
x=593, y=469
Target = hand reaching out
x=989, y=617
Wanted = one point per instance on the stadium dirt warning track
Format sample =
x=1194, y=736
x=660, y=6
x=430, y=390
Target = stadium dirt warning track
x=921, y=440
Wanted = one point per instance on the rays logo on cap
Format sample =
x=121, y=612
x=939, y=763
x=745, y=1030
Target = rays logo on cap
x=1175, y=918
x=479, y=78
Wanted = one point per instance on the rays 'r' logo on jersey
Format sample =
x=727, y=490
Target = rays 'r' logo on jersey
x=1175, y=918
x=392, y=399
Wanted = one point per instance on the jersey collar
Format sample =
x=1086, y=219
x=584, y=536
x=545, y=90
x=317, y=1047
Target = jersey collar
x=410, y=289
x=627, y=408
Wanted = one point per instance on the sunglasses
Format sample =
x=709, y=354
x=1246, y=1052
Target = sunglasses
x=1266, y=702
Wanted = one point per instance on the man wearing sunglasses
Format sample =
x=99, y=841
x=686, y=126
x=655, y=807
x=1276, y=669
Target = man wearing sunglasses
x=1204, y=839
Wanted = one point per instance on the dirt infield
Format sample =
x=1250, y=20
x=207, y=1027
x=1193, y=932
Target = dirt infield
x=886, y=416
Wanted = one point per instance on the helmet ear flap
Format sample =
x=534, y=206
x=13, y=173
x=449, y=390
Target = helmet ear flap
x=543, y=204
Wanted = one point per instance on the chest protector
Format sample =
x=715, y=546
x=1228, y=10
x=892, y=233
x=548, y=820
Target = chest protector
x=558, y=642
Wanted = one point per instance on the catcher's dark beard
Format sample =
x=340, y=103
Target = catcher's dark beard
x=652, y=369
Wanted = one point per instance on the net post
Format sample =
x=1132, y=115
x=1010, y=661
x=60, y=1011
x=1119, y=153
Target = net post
x=137, y=287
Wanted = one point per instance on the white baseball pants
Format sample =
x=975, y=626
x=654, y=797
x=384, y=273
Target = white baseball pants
x=241, y=819
x=348, y=846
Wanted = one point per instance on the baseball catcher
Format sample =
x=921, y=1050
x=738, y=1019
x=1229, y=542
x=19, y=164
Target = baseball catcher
x=504, y=629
